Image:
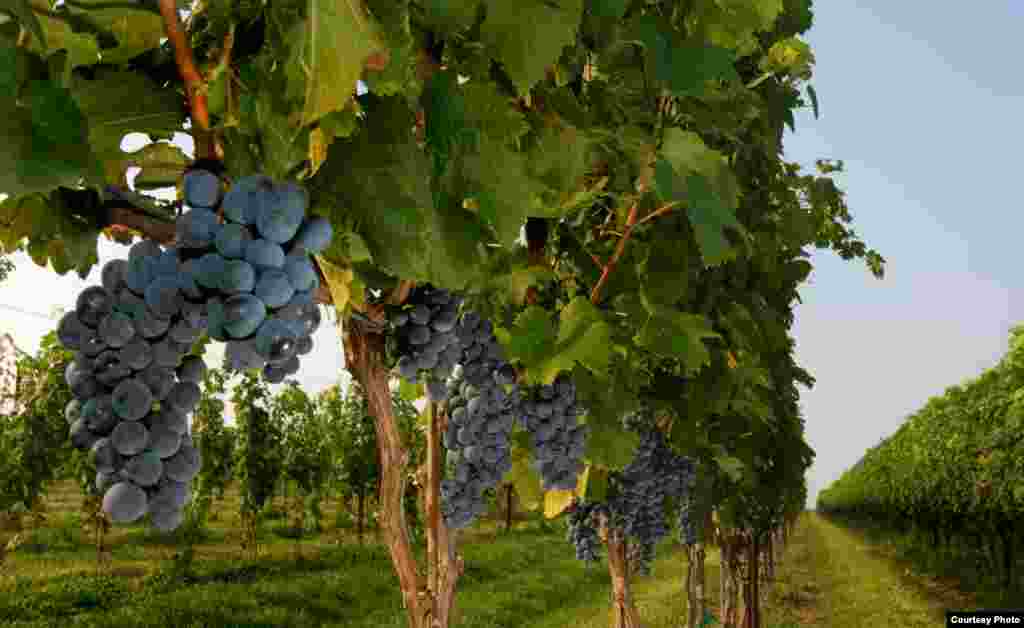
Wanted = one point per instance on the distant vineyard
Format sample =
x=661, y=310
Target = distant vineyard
x=953, y=471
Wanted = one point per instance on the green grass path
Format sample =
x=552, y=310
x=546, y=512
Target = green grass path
x=833, y=577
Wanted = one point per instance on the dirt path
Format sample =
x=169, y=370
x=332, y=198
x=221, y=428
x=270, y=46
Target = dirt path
x=833, y=577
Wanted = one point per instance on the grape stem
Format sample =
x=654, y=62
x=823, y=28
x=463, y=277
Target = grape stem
x=191, y=77
x=595, y=294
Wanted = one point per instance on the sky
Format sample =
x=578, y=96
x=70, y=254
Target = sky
x=922, y=102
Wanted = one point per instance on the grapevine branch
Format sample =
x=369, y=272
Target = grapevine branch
x=595, y=294
x=190, y=75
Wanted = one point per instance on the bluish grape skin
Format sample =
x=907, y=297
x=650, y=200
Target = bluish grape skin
x=197, y=228
x=143, y=469
x=144, y=248
x=263, y=254
x=183, y=397
x=243, y=315
x=202, y=188
x=125, y=502
x=116, y=330
x=282, y=213
x=300, y=272
x=71, y=332
x=163, y=297
x=314, y=235
x=241, y=203
x=129, y=437
x=274, y=288
x=238, y=277
x=92, y=305
x=113, y=275
x=231, y=241
x=132, y=400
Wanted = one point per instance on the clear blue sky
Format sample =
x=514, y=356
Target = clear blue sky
x=923, y=103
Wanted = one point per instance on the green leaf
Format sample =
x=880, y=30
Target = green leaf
x=161, y=165
x=117, y=103
x=55, y=114
x=609, y=8
x=583, y=336
x=81, y=45
x=666, y=269
x=709, y=217
x=8, y=68
x=814, y=99
x=677, y=335
x=528, y=36
x=732, y=467
x=683, y=68
x=531, y=337
x=22, y=10
x=329, y=48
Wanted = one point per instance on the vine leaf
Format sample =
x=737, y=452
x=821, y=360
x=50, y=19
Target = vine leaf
x=330, y=47
x=339, y=283
x=528, y=36
x=708, y=186
x=683, y=68
x=678, y=335
x=23, y=12
x=522, y=476
x=117, y=103
x=582, y=336
x=160, y=163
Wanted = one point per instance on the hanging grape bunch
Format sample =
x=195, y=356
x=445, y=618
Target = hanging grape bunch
x=134, y=387
x=424, y=331
x=549, y=414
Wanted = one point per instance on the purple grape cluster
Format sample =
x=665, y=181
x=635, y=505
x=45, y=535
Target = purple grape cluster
x=134, y=387
x=583, y=529
x=549, y=413
x=425, y=330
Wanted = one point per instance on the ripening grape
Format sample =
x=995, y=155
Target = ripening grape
x=113, y=275
x=283, y=214
x=144, y=468
x=202, y=188
x=242, y=203
x=71, y=332
x=314, y=235
x=183, y=397
x=116, y=329
x=125, y=502
x=243, y=315
x=81, y=437
x=238, y=277
x=300, y=272
x=264, y=254
x=274, y=288
x=73, y=411
x=184, y=465
x=129, y=437
x=192, y=369
x=166, y=520
x=92, y=305
x=163, y=440
x=132, y=399
x=159, y=380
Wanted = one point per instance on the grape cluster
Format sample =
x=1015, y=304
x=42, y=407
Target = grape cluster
x=133, y=390
x=253, y=276
x=425, y=330
x=643, y=490
x=134, y=387
x=583, y=529
x=481, y=416
x=549, y=414
x=640, y=494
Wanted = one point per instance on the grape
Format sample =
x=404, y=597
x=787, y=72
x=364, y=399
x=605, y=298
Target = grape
x=242, y=203
x=197, y=228
x=282, y=215
x=166, y=520
x=263, y=254
x=215, y=318
x=274, y=288
x=71, y=332
x=164, y=441
x=99, y=415
x=104, y=456
x=73, y=411
x=81, y=437
x=304, y=345
x=116, y=329
x=93, y=305
x=83, y=385
x=275, y=373
x=163, y=297
x=238, y=276
x=314, y=235
x=202, y=188
x=300, y=272
x=129, y=437
x=583, y=531
x=192, y=369
x=171, y=419
x=139, y=274
x=158, y=379
x=275, y=341
x=167, y=264
x=170, y=495
x=183, y=397
x=113, y=275
x=125, y=502
x=243, y=315
x=144, y=248
x=209, y=270
x=143, y=469
x=132, y=399
x=105, y=481
x=243, y=355
x=184, y=465
x=168, y=354
x=184, y=333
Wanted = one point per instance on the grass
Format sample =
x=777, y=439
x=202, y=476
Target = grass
x=528, y=577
